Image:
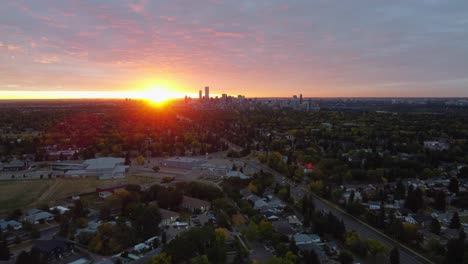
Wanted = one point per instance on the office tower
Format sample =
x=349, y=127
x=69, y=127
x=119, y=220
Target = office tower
x=200, y=96
x=300, y=99
x=207, y=93
x=295, y=103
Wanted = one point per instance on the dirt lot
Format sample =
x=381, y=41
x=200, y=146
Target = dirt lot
x=25, y=194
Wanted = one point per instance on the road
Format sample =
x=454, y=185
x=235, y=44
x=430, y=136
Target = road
x=407, y=255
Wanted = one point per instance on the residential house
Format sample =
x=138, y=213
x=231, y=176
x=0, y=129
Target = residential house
x=260, y=205
x=5, y=224
x=238, y=174
x=294, y=221
x=373, y=205
x=104, y=194
x=301, y=239
x=168, y=217
x=60, y=209
x=53, y=249
x=410, y=219
x=193, y=204
x=36, y=216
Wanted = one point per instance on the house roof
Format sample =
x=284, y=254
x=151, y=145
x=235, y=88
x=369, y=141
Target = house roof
x=194, y=202
x=4, y=224
x=260, y=204
x=304, y=238
x=103, y=163
x=33, y=211
x=49, y=245
x=165, y=214
x=39, y=216
x=237, y=174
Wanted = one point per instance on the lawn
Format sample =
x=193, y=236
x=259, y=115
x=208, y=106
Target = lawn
x=25, y=194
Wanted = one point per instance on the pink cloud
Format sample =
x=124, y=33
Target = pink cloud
x=138, y=7
x=13, y=47
x=47, y=59
x=222, y=34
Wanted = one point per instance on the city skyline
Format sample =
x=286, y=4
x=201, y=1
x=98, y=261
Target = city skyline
x=119, y=49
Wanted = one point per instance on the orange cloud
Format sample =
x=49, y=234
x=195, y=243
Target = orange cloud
x=46, y=59
x=13, y=47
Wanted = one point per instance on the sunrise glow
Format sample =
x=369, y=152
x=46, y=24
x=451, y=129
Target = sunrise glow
x=158, y=94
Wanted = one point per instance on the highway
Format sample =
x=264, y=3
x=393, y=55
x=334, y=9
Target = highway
x=407, y=255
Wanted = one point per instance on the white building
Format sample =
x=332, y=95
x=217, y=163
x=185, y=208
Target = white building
x=102, y=168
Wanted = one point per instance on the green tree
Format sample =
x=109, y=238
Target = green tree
x=162, y=258
x=375, y=247
x=203, y=259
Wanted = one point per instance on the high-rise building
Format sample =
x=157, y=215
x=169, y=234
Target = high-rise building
x=300, y=98
x=207, y=93
x=295, y=103
x=200, y=94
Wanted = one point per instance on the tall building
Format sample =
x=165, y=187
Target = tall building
x=200, y=94
x=295, y=103
x=207, y=93
x=300, y=98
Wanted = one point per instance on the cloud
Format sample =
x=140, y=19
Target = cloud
x=13, y=47
x=263, y=47
x=47, y=59
x=138, y=7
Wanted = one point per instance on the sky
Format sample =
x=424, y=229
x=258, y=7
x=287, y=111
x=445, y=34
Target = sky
x=258, y=48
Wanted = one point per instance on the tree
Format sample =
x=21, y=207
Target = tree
x=34, y=256
x=345, y=257
x=463, y=173
x=435, y=226
x=455, y=221
x=455, y=251
x=78, y=210
x=203, y=259
x=453, y=185
x=4, y=251
x=395, y=256
x=440, y=201
x=400, y=190
x=375, y=247
x=162, y=258
x=311, y=257
x=140, y=160
x=145, y=221
x=104, y=212
x=163, y=237
x=23, y=258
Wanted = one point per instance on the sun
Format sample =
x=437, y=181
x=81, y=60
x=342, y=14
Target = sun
x=158, y=94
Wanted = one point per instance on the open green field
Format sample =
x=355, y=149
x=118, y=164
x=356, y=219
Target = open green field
x=25, y=194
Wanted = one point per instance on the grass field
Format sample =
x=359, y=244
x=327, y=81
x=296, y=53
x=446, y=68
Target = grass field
x=25, y=194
